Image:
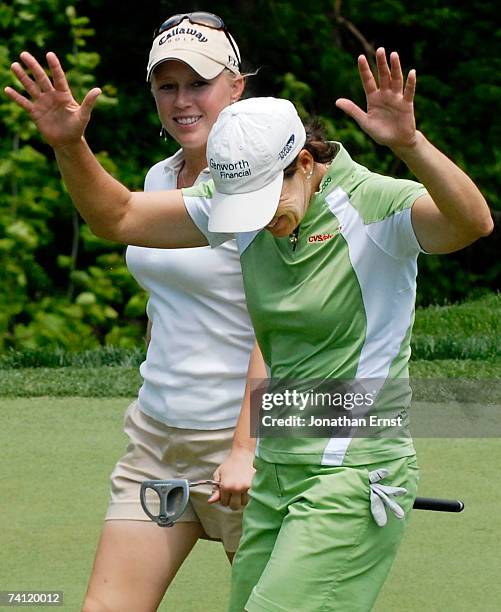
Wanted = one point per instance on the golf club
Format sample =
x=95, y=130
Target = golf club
x=438, y=505
x=174, y=495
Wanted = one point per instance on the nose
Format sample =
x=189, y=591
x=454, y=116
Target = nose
x=183, y=98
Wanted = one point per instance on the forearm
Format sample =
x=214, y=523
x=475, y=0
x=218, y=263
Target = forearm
x=155, y=219
x=235, y=473
x=455, y=195
x=242, y=439
x=101, y=200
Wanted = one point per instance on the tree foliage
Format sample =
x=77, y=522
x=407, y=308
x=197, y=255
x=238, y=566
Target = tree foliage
x=63, y=286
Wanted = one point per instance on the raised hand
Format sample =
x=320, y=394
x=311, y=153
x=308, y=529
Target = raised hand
x=389, y=119
x=51, y=105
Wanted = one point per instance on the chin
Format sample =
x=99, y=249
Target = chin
x=194, y=138
x=281, y=230
x=279, y=233
x=191, y=141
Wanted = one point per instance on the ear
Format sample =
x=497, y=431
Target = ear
x=237, y=88
x=306, y=163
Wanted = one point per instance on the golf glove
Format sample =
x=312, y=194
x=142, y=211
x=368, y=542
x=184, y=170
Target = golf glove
x=381, y=497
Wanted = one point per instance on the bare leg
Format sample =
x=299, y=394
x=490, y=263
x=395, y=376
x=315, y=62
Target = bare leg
x=135, y=563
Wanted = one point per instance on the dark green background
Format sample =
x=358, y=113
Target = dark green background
x=61, y=286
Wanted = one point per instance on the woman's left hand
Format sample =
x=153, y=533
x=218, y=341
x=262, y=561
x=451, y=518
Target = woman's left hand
x=234, y=476
x=389, y=119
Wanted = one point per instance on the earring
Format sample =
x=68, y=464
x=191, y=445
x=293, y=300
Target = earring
x=163, y=133
x=308, y=178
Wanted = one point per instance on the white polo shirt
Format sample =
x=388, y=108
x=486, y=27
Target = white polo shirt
x=196, y=364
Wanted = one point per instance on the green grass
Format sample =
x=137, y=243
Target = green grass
x=451, y=561
x=62, y=358
x=456, y=368
x=478, y=317
x=116, y=381
x=56, y=458
x=106, y=381
x=469, y=331
x=58, y=450
x=57, y=455
x=461, y=331
x=460, y=341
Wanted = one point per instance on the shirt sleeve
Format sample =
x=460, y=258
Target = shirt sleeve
x=198, y=201
x=160, y=177
x=395, y=235
x=381, y=196
x=390, y=218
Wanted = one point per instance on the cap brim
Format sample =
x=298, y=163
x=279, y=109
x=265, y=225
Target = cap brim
x=204, y=66
x=245, y=212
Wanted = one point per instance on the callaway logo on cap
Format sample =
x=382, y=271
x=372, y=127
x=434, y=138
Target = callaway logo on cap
x=249, y=146
x=206, y=50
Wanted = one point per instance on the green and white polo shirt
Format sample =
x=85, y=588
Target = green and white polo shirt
x=337, y=305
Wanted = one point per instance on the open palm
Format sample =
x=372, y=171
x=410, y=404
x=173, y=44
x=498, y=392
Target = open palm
x=389, y=119
x=57, y=115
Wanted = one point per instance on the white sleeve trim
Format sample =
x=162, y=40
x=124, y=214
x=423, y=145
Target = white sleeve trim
x=198, y=208
x=395, y=235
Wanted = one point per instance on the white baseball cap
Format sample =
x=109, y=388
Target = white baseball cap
x=248, y=148
x=206, y=50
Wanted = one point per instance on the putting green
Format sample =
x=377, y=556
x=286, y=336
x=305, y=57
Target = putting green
x=56, y=458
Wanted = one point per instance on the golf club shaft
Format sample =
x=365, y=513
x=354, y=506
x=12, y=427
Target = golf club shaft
x=438, y=505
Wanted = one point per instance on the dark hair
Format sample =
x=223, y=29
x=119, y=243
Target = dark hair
x=322, y=150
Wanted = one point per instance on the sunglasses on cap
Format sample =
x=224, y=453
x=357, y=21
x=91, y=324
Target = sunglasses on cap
x=209, y=20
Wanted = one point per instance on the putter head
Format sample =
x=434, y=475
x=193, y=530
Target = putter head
x=173, y=495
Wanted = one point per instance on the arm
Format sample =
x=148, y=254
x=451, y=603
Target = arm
x=236, y=471
x=154, y=219
x=455, y=213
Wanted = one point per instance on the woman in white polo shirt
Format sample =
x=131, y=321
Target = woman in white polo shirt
x=200, y=340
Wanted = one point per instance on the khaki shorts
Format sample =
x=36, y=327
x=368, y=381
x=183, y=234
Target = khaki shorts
x=157, y=451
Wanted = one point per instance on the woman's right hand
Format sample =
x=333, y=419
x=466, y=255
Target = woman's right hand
x=389, y=119
x=51, y=105
x=234, y=476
